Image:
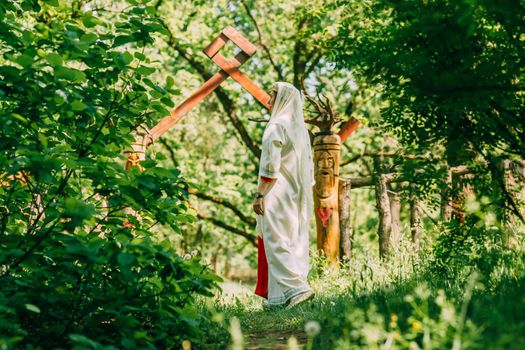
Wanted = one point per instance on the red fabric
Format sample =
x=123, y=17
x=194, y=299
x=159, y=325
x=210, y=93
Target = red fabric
x=266, y=179
x=261, y=288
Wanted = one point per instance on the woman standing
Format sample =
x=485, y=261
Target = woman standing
x=283, y=201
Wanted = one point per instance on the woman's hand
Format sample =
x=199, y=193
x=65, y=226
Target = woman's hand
x=258, y=206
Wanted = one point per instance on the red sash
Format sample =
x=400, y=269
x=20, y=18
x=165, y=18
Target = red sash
x=262, y=270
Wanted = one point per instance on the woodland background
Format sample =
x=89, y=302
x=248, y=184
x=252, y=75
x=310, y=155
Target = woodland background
x=435, y=84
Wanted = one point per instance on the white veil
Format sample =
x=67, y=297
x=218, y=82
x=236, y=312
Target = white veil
x=288, y=111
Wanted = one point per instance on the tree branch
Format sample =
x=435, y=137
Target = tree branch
x=235, y=230
x=278, y=69
x=212, y=198
x=224, y=203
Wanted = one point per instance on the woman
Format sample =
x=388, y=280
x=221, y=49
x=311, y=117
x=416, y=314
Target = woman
x=283, y=201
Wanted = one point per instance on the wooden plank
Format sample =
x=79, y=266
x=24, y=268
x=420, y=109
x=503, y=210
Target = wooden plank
x=239, y=40
x=231, y=67
x=188, y=104
x=214, y=47
x=345, y=228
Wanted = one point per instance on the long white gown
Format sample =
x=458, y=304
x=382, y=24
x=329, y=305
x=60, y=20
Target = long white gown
x=284, y=225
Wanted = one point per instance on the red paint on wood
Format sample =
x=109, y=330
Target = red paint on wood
x=324, y=215
x=347, y=128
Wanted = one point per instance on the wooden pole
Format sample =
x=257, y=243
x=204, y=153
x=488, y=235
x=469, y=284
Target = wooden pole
x=326, y=202
x=383, y=207
x=345, y=226
x=385, y=219
x=395, y=212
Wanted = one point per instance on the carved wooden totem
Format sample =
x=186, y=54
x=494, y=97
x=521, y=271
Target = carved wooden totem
x=326, y=195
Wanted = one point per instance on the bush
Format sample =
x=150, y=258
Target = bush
x=79, y=265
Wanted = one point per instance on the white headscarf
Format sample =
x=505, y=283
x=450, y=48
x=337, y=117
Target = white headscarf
x=288, y=111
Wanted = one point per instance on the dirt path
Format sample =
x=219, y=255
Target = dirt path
x=264, y=330
x=274, y=339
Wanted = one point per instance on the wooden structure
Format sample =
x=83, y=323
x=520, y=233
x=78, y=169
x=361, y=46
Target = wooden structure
x=327, y=149
x=229, y=68
x=331, y=197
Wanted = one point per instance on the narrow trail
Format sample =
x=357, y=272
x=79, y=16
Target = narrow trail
x=274, y=339
x=264, y=330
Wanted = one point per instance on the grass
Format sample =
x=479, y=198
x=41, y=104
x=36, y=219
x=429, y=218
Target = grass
x=402, y=304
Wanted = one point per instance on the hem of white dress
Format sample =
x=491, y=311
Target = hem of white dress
x=289, y=294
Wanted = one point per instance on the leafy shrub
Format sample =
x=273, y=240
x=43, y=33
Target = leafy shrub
x=78, y=261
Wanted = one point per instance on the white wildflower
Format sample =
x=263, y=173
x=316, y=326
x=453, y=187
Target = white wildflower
x=312, y=328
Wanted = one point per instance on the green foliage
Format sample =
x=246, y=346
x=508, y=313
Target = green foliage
x=451, y=71
x=79, y=264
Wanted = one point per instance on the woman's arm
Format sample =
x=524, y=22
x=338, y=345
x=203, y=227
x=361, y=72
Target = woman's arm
x=270, y=163
x=265, y=185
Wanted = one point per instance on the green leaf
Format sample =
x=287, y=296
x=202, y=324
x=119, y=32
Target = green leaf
x=123, y=39
x=77, y=210
x=33, y=308
x=54, y=59
x=52, y=2
x=43, y=139
x=143, y=70
x=140, y=56
x=167, y=101
x=70, y=74
x=125, y=259
x=169, y=81
x=89, y=38
x=19, y=117
x=78, y=106
x=89, y=21
x=126, y=57
x=25, y=60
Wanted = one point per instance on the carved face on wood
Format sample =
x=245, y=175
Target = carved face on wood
x=325, y=174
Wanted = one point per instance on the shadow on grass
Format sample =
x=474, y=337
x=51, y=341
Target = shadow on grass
x=423, y=310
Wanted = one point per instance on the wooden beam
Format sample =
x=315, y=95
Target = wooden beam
x=347, y=128
x=231, y=67
x=188, y=104
x=239, y=40
x=215, y=45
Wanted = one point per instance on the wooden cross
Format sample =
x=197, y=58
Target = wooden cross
x=229, y=68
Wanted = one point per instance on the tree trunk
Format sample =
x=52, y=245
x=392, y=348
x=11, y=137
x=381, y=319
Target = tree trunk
x=415, y=218
x=385, y=218
x=446, y=208
x=395, y=211
x=345, y=227
x=514, y=182
x=383, y=209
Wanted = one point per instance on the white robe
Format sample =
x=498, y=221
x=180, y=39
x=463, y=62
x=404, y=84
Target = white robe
x=284, y=234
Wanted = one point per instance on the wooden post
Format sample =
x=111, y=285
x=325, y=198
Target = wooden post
x=395, y=212
x=383, y=207
x=326, y=202
x=345, y=185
